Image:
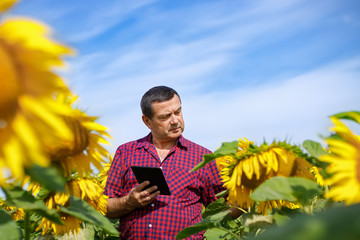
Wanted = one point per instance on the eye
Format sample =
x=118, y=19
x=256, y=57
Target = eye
x=164, y=117
x=178, y=112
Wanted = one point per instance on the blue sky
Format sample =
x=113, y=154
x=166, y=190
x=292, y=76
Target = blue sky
x=255, y=69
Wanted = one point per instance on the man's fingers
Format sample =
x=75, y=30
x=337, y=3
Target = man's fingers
x=144, y=194
x=154, y=195
x=143, y=197
x=150, y=197
x=151, y=189
x=141, y=186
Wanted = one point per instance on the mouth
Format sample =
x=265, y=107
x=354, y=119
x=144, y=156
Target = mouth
x=174, y=129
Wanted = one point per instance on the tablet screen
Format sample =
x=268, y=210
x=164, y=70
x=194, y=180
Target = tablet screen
x=154, y=175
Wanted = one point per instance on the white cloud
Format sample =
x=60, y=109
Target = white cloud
x=295, y=109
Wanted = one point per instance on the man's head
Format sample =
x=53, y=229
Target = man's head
x=155, y=94
x=161, y=108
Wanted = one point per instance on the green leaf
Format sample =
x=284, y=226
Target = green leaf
x=227, y=148
x=216, y=234
x=314, y=148
x=20, y=198
x=333, y=224
x=49, y=177
x=222, y=193
x=280, y=219
x=290, y=189
x=8, y=227
x=83, y=211
x=352, y=115
x=216, y=206
x=205, y=224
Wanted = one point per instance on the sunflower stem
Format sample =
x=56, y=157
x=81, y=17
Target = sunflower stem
x=27, y=225
x=243, y=210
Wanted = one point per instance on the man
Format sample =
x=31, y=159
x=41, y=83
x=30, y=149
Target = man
x=143, y=213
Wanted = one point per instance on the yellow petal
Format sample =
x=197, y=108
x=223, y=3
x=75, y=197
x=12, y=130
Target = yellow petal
x=14, y=155
x=45, y=115
x=31, y=35
x=6, y=4
x=9, y=83
x=248, y=168
x=256, y=166
x=30, y=140
x=95, y=126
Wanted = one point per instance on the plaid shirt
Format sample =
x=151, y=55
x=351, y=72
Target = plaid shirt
x=166, y=215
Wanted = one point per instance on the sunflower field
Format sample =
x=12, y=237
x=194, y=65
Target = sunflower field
x=53, y=162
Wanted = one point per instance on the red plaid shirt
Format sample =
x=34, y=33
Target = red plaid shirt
x=166, y=215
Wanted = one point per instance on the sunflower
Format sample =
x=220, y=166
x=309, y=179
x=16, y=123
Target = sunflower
x=253, y=165
x=88, y=189
x=28, y=109
x=344, y=164
x=16, y=213
x=84, y=149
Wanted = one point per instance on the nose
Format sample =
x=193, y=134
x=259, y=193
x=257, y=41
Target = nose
x=173, y=119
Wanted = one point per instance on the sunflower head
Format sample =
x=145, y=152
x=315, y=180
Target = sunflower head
x=344, y=164
x=85, y=148
x=61, y=150
x=88, y=189
x=28, y=108
x=254, y=165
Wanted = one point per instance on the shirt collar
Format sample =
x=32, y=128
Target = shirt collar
x=146, y=142
x=182, y=142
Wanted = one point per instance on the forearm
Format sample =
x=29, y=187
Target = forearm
x=118, y=207
x=137, y=198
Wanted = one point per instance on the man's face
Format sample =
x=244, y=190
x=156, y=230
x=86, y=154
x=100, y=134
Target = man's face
x=167, y=122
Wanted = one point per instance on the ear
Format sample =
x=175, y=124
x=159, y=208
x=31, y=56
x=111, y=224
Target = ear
x=147, y=121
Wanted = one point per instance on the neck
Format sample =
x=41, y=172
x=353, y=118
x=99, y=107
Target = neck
x=164, y=144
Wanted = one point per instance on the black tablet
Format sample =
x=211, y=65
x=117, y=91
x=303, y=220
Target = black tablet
x=152, y=174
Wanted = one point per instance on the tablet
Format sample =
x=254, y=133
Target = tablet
x=152, y=174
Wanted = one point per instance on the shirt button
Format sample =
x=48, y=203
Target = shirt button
x=152, y=204
x=150, y=225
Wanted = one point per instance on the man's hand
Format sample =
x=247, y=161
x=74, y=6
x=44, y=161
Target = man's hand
x=139, y=196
